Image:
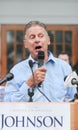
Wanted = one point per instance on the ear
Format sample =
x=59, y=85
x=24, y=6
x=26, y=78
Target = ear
x=25, y=44
x=48, y=40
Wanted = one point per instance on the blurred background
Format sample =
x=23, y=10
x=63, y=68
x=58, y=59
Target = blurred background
x=60, y=16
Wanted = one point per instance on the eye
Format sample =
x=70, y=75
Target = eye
x=41, y=35
x=32, y=37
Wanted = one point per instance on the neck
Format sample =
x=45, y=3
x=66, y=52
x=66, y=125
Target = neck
x=46, y=57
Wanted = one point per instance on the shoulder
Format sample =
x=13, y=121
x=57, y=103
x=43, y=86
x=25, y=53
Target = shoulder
x=21, y=66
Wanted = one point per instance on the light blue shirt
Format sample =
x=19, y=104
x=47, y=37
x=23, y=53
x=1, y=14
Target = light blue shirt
x=16, y=90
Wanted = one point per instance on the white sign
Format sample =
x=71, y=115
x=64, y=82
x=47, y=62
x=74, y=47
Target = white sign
x=34, y=116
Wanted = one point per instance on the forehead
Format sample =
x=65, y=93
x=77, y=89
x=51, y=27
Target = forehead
x=63, y=56
x=35, y=29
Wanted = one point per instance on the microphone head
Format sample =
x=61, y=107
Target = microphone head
x=41, y=55
x=69, y=80
x=40, y=58
x=30, y=63
x=74, y=81
x=9, y=76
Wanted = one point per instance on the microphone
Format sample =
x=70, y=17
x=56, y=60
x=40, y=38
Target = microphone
x=8, y=77
x=74, y=81
x=31, y=90
x=40, y=58
x=30, y=64
x=40, y=61
x=30, y=93
x=71, y=79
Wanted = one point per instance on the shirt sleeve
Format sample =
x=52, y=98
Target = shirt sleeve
x=16, y=94
x=16, y=90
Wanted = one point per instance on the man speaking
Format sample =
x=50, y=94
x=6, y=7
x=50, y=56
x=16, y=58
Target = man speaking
x=46, y=79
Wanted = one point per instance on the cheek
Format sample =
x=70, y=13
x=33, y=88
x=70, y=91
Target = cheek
x=46, y=43
x=45, y=47
x=31, y=47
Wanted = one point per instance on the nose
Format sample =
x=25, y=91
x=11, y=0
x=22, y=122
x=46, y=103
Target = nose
x=37, y=39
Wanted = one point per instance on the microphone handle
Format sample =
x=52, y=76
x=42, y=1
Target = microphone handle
x=2, y=81
x=40, y=63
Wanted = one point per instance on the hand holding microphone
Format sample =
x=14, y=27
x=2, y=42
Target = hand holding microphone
x=37, y=77
x=39, y=74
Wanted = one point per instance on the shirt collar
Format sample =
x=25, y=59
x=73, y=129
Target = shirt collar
x=50, y=58
x=30, y=58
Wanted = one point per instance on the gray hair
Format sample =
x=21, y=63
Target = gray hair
x=33, y=23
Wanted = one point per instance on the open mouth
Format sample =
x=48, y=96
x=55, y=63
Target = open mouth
x=38, y=47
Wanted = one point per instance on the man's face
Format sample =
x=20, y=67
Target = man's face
x=64, y=57
x=36, y=39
